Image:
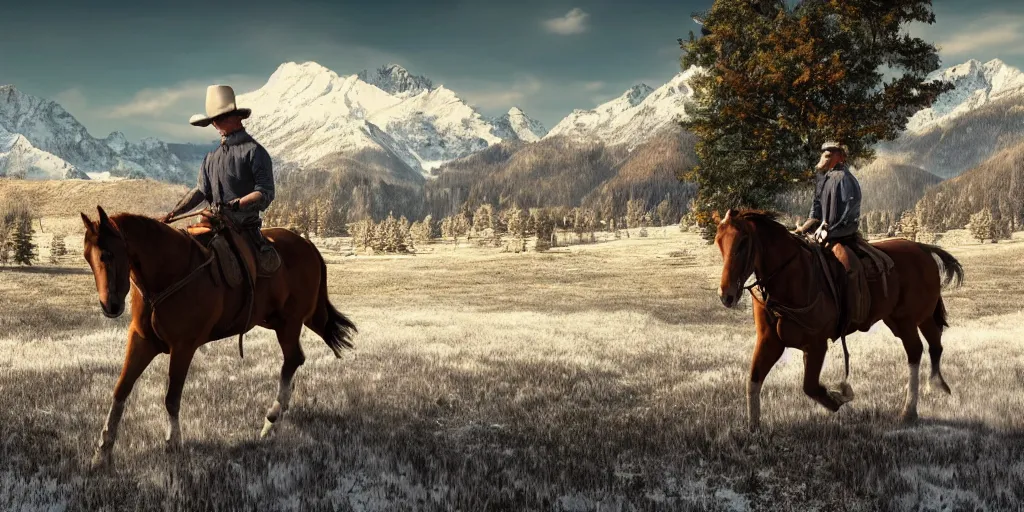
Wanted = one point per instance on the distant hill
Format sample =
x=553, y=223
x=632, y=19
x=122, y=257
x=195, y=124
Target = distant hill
x=892, y=187
x=66, y=198
x=567, y=171
x=996, y=184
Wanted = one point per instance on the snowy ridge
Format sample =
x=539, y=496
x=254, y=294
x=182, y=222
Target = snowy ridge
x=306, y=111
x=20, y=159
x=633, y=117
x=44, y=126
x=976, y=85
x=517, y=125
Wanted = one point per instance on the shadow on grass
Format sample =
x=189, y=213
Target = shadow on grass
x=492, y=435
x=32, y=269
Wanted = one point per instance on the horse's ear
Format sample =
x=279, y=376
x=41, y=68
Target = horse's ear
x=731, y=213
x=89, y=227
x=105, y=222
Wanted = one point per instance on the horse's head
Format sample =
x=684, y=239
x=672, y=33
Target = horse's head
x=735, y=241
x=107, y=254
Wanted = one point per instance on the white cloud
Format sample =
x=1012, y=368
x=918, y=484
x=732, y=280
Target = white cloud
x=574, y=22
x=1006, y=36
x=179, y=100
x=502, y=95
x=593, y=86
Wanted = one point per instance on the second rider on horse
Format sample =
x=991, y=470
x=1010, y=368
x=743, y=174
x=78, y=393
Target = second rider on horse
x=237, y=176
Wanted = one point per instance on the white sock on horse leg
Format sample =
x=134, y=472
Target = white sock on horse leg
x=754, y=403
x=910, y=408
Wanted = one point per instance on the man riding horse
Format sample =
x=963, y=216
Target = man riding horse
x=237, y=176
x=835, y=211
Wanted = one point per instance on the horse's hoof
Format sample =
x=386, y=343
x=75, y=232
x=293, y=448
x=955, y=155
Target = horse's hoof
x=268, y=428
x=101, y=461
x=937, y=382
x=908, y=417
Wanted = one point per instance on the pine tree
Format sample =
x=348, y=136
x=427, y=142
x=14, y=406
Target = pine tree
x=57, y=248
x=664, y=211
x=908, y=227
x=24, y=248
x=775, y=82
x=545, y=229
x=980, y=225
x=6, y=242
x=634, y=213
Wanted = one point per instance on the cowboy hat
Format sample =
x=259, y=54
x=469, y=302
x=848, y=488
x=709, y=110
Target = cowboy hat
x=833, y=145
x=220, y=100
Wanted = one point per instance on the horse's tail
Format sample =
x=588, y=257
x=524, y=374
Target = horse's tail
x=952, y=269
x=953, y=272
x=335, y=328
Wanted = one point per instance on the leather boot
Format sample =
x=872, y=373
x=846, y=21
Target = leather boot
x=267, y=256
x=856, y=296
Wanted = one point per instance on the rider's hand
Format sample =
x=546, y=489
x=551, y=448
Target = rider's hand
x=821, y=235
x=233, y=205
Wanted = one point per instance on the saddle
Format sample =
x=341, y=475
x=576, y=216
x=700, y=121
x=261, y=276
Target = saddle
x=232, y=253
x=874, y=265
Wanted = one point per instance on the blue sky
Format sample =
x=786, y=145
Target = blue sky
x=143, y=69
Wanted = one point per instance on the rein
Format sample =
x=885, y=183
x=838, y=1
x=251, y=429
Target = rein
x=792, y=313
x=153, y=301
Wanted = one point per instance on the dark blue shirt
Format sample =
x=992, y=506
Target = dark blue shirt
x=837, y=202
x=238, y=167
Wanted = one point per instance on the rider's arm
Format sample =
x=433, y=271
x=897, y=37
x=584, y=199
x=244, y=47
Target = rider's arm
x=196, y=196
x=815, y=216
x=263, y=175
x=849, y=192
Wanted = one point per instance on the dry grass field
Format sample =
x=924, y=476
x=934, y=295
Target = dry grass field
x=597, y=377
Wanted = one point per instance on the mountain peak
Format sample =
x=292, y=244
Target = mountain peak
x=395, y=79
x=638, y=93
x=517, y=125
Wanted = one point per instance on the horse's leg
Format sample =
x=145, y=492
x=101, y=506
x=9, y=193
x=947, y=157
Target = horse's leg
x=767, y=352
x=907, y=332
x=814, y=360
x=288, y=337
x=181, y=360
x=933, y=335
x=138, y=354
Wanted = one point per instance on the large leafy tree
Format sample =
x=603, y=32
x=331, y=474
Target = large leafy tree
x=775, y=82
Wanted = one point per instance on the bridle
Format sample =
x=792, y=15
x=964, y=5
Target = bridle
x=773, y=306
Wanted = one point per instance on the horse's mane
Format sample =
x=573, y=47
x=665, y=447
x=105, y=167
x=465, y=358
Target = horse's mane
x=766, y=220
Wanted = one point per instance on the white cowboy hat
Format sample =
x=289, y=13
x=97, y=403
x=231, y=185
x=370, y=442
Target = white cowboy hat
x=833, y=145
x=220, y=100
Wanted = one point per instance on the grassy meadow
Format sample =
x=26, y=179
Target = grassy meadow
x=602, y=376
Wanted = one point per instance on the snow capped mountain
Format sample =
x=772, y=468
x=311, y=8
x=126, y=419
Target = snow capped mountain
x=632, y=118
x=976, y=85
x=517, y=125
x=306, y=112
x=39, y=135
x=395, y=79
x=20, y=159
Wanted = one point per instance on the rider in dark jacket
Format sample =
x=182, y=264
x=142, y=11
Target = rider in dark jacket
x=237, y=175
x=836, y=210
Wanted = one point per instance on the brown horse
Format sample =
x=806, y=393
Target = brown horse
x=800, y=312
x=177, y=306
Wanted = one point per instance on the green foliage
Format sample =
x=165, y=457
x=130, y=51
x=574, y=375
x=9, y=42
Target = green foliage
x=775, y=83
